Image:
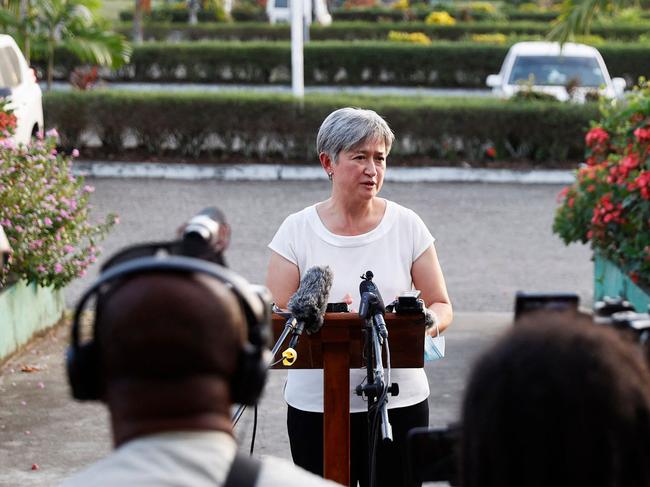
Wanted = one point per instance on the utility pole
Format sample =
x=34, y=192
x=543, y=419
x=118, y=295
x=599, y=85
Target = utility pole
x=137, y=21
x=297, y=59
x=194, y=8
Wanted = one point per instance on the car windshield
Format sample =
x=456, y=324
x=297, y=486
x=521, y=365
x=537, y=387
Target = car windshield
x=557, y=70
x=9, y=68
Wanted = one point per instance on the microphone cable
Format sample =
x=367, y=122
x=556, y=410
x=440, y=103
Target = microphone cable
x=375, y=424
x=254, y=430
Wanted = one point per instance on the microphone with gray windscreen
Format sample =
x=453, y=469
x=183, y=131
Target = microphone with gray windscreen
x=309, y=302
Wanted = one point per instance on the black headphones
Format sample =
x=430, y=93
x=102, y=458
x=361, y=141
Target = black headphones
x=83, y=360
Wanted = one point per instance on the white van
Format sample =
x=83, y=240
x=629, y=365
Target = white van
x=551, y=69
x=280, y=11
x=18, y=84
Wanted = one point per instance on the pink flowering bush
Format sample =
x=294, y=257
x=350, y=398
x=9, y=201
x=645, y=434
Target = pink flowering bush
x=44, y=210
x=609, y=203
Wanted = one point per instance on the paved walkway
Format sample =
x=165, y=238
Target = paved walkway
x=283, y=89
x=279, y=172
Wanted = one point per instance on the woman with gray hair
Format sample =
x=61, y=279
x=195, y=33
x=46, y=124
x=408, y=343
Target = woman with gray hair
x=353, y=231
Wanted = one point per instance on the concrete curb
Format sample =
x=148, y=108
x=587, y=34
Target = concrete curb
x=278, y=172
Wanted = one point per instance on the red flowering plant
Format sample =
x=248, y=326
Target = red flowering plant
x=45, y=213
x=7, y=120
x=608, y=205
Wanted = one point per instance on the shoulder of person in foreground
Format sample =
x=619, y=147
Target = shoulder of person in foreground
x=278, y=471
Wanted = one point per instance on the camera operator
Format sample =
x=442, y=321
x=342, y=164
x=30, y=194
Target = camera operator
x=171, y=353
x=557, y=401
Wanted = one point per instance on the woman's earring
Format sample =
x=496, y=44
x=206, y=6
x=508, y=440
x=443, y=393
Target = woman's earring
x=329, y=175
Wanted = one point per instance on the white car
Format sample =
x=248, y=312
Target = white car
x=280, y=11
x=18, y=84
x=551, y=69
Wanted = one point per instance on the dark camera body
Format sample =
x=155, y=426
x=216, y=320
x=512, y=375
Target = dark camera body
x=337, y=308
x=434, y=455
x=407, y=303
x=552, y=302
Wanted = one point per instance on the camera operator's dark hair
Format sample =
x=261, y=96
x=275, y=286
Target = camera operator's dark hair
x=557, y=402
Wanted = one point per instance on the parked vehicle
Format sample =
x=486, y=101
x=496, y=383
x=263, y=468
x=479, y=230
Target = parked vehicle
x=569, y=73
x=279, y=11
x=18, y=84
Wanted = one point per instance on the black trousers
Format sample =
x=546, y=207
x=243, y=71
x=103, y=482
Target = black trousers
x=306, y=439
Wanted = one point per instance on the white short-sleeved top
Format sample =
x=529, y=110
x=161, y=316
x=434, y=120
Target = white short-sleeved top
x=389, y=251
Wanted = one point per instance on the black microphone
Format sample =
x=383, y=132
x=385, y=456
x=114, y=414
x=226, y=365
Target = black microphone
x=372, y=303
x=309, y=302
x=206, y=235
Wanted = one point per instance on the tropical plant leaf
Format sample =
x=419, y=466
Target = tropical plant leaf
x=576, y=17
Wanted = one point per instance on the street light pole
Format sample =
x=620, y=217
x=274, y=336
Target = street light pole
x=297, y=60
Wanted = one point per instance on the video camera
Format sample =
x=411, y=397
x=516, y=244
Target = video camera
x=610, y=311
x=408, y=302
x=434, y=454
x=204, y=236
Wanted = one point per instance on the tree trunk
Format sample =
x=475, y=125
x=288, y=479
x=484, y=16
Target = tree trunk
x=50, y=63
x=137, y=22
x=24, y=11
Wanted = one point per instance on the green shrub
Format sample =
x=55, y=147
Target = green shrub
x=359, y=30
x=45, y=213
x=372, y=14
x=279, y=128
x=248, y=11
x=174, y=14
x=458, y=64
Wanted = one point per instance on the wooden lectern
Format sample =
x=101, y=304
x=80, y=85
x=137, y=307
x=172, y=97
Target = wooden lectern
x=336, y=348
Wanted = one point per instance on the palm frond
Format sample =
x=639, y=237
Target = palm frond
x=9, y=19
x=97, y=47
x=577, y=16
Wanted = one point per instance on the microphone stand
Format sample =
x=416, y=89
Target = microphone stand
x=289, y=327
x=376, y=390
x=377, y=343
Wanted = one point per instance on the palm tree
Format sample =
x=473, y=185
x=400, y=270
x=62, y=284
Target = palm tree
x=577, y=15
x=38, y=25
x=19, y=17
x=72, y=25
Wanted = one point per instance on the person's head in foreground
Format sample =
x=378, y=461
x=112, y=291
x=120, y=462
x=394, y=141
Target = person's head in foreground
x=169, y=345
x=558, y=401
x=176, y=350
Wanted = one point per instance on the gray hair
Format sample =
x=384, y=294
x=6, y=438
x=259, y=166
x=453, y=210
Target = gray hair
x=346, y=128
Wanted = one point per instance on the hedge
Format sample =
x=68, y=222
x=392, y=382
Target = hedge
x=379, y=14
x=250, y=31
x=271, y=128
x=458, y=64
x=375, y=14
x=243, y=13
x=175, y=15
